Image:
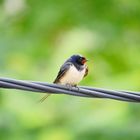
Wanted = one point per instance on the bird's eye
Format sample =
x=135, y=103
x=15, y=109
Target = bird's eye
x=80, y=59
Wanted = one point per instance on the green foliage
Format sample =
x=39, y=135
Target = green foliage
x=35, y=39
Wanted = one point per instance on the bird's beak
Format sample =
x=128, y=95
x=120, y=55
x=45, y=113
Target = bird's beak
x=84, y=61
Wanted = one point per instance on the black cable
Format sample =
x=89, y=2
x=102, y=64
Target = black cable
x=63, y=89
x=82, y=91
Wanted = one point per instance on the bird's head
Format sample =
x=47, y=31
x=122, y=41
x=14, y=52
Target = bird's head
x=78, y=59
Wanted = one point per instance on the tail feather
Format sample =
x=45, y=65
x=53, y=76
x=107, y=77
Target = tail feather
x=44, y=98
x=47, y=95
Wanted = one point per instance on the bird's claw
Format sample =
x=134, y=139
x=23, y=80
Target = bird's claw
x=72, y=86
x=77, y=88
x=69, y=86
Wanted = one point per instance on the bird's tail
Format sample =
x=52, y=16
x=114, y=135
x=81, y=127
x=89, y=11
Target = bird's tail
x=47, y=95
x=44, y=98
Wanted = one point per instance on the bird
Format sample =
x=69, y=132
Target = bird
x=71, y=72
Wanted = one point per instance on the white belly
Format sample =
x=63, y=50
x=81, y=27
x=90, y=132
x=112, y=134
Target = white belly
x=72, y=76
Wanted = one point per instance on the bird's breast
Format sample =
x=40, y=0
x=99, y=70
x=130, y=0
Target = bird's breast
x=72, y=76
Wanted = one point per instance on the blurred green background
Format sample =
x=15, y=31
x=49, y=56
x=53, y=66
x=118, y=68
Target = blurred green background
x=35, y=39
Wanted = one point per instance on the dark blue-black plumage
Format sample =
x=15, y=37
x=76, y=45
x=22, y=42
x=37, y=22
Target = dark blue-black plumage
x=77, y=61
x=71, y=72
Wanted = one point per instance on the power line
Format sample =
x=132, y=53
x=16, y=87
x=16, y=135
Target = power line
x=81, y=91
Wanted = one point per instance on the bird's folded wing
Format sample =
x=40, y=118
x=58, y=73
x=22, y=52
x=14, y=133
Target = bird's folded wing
x=63, y=70
x=86, y=73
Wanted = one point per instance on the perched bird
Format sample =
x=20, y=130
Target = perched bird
x=71, y=72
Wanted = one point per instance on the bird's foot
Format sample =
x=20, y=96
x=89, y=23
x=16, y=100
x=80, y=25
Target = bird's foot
x=76, y=87
x=69, y=86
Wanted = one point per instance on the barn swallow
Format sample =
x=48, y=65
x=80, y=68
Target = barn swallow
x=71, y=72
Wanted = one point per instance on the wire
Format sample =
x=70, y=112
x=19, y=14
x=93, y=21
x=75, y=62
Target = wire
x=81, y=91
